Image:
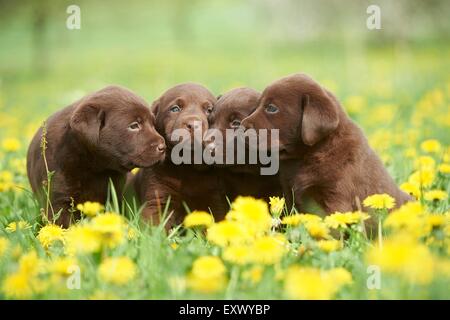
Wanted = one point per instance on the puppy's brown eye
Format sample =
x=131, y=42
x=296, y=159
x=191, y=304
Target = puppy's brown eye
x=134, y=126
x=235, y=123
x=209, y=110
x=175, y=108
x=271, y=108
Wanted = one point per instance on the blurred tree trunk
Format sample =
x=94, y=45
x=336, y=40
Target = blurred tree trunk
x=40, y=16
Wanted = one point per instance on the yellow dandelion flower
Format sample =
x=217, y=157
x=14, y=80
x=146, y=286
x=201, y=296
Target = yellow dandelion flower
x=339, y=276
x=318, y=230
x=437, y=220
x=198, y=218
x=314, y=284
x=329, y=245
x=6, y=176
x=444, y=168
x=405, y=257
x=5, y=186
x=206, y=285
x=276, y=205
x=111, y=228
x=379, y=201
x=268, y=249
x=135, y=171
x=408, y=217
x=60, y=269
x=62, y=266
x=424, y=162
x=17, y=226
x=82, y=239
x=411, y=189
x=25, y=282
x=17, y=286
x=227, y=232
x=424, y=177
x=10, y=144
x=251, y=212
x=117, y=270
x=342, y=220
x=6, y=181
x=435, y=195
x=237, y=254
x=30, y=264
x=291, y=220
x=49, y=234
x=300, y=218
x=431, y=146
x=90, y=209
x=207, y=275
x=208, y=267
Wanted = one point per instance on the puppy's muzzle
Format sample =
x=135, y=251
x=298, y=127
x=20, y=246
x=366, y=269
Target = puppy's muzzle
x=193, y=124
x=161, y=148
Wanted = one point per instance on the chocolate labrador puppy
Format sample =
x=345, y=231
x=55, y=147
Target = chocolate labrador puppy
x=98, y=138
x=183, y=108
x=323, y=153
x=239, y=179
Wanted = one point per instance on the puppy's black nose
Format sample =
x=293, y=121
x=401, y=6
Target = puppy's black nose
x=193, y=125
x=161, y=147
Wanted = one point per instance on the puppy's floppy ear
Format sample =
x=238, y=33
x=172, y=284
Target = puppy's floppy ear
x=320, y=116
x=154, y=108
x=87, y=120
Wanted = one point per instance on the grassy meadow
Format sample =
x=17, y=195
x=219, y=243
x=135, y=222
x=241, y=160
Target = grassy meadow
x=396, y=88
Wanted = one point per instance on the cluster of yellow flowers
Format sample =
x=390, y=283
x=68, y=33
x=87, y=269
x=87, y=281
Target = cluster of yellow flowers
x=251, y=239
x=248, y=238
x=319, y=228
x=103, y=232
x=107, y=230
x=413, y=234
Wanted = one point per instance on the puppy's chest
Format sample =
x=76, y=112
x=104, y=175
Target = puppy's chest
x=199, y=185
x=94, y=187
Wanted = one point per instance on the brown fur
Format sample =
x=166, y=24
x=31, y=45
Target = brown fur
x=323, y=153
x=90, y=142
x=198, y=186
x=240, y=179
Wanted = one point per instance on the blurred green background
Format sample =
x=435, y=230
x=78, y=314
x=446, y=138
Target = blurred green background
x=149, y=46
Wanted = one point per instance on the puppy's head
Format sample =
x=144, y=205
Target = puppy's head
x=231, y=108
x=303, y=111
x=186, y=108
x=118, y=126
